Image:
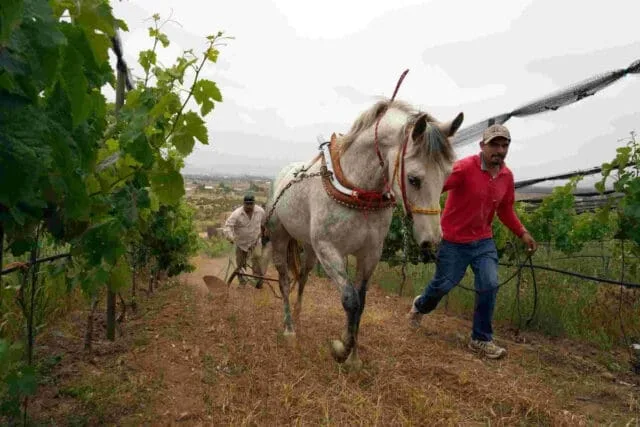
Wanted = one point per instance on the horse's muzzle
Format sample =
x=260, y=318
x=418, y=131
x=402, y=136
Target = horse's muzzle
x=428, y=252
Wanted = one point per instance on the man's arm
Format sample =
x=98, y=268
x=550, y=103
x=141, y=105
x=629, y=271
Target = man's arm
x=229, y=227
x=507, y=214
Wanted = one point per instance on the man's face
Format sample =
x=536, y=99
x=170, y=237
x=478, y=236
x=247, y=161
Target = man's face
x=248, y=207
x=495, y=151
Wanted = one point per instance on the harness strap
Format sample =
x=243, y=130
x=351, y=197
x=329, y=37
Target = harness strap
x=399, y=165
x=343, y=191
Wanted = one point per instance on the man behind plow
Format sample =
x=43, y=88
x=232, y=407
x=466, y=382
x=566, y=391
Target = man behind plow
x=244, y=228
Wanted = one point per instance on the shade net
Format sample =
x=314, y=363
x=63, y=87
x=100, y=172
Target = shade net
x=551, y=102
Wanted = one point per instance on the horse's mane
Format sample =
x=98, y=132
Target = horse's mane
x=437, y=146
x=368, y=118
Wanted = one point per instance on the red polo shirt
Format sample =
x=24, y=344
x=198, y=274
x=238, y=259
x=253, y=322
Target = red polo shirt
x=473, y=200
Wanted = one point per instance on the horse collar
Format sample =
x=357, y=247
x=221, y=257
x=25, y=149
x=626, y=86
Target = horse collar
x=341, y=190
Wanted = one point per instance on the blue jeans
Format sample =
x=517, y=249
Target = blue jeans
x=453, y=260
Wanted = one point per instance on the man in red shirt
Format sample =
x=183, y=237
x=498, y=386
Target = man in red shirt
x=479, y=187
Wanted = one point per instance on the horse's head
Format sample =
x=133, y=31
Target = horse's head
x=417, y=158
x=423, y=163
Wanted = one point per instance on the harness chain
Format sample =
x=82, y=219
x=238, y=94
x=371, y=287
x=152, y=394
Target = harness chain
x=299, y=177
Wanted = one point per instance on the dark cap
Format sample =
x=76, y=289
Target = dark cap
x=249, y=199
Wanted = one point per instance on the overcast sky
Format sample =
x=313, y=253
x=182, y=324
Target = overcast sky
x=298, y=69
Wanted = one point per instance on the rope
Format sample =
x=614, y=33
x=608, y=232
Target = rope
x=535, y=293
x=580, y=276
x=518, y=282
x=402, y=76
x=555, y=270
x=387, y=187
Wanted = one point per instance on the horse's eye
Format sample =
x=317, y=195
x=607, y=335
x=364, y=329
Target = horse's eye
x=415, y=181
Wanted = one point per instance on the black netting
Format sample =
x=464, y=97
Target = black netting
x=121, y=65
x=551, y=102
x=528, y=182
x=584, y=202
x=569, y=95
x=473, y=133
x=582, y=196
x=634, y=68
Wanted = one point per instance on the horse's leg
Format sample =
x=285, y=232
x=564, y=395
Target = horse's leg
x=309, y=262
x=280, y=241
x=366, y=264
x=333, y=263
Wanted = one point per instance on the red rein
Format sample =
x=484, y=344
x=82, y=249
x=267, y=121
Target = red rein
x=387, y=185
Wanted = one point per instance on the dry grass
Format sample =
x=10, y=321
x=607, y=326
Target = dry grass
x=203, y=356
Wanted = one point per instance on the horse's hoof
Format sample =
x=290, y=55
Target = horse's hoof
x=289, y=333
x=338, y=351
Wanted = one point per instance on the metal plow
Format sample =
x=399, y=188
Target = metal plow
x=232, y=272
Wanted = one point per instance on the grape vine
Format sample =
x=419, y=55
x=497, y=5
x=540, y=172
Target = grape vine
x=99, y=179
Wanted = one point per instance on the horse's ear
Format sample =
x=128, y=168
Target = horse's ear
x=450, y=128
x=419, y=127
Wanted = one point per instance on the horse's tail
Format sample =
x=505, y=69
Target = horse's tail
x=293, y=259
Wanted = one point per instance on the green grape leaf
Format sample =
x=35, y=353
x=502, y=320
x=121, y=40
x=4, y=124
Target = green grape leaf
x=75, y=84
x=100, y=45
x=167, y=183
x=205, y=92
x=96, y=15
x=212, y=54
x=10, y=17
x=103, y=241
x=169, y=102
x=189, y=126
x=147, y=58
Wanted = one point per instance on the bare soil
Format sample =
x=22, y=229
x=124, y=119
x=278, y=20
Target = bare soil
x=198, y=355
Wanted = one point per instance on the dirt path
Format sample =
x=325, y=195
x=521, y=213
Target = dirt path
x=216, y=356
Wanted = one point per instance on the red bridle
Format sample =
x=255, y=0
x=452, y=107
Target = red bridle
x=409, y=209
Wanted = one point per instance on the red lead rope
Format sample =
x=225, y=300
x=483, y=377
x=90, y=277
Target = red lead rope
x=403, y=188
x=387, y=187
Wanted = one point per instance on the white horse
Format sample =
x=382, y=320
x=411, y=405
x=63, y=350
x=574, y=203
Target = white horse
x=344, y=207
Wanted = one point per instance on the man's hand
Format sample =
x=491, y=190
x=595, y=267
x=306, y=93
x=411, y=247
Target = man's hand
x=265, y=235
x=529, y=242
